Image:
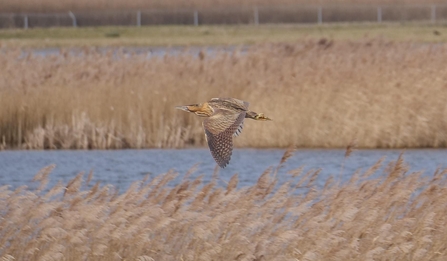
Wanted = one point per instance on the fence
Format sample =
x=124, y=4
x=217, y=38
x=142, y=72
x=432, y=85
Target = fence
x=255, y=15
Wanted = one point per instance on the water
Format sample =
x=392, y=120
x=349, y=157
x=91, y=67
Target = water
x=149, y=52
x=161, y=51
x=122, y=167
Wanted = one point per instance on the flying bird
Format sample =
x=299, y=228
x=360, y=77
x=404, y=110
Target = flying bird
x=224, y=118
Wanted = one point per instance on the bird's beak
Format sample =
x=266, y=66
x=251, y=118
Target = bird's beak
x=262, y=117
x=183, y=108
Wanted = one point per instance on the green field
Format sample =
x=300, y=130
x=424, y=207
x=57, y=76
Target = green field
x=216, y=35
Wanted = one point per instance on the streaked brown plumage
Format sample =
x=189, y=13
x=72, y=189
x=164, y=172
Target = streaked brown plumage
x=224, y=119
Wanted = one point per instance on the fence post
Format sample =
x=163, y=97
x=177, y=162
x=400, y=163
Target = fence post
x=196, y=18
x=433, y=13
x=73, y=18
x=379, y=14
x=25, y=22
x=139, y=18
x=320, y=15
x=256, y=15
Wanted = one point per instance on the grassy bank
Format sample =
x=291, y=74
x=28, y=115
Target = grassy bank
x=216, y=35
x=319, y=93
x=363, y=219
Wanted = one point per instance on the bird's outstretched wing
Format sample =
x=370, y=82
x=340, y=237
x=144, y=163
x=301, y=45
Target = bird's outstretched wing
x=219, y=130
x=230, y=103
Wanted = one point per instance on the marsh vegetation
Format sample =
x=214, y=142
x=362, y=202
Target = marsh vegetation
x=328, y=92
x=398, y=215
x=321, y=93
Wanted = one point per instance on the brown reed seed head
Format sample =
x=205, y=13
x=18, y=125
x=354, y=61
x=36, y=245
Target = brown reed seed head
x=350, y=148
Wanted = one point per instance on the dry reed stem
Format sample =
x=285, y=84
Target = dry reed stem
x=396, y=216
x=386, y=94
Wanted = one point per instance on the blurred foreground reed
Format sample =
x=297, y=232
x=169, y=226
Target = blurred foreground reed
x=319, y=94
x=396, y=216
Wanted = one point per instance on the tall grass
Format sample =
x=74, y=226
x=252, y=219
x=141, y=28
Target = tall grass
x=319, y=94
x=396, y=216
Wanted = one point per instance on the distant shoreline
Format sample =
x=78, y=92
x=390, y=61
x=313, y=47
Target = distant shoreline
x=226, y=35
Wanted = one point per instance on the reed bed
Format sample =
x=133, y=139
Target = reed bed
x=319, y=93
x=396, y=216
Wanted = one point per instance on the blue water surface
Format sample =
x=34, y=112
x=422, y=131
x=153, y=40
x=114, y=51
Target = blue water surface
x=121, y=168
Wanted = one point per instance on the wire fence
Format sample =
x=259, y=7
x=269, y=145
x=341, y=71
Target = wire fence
x=256, y=15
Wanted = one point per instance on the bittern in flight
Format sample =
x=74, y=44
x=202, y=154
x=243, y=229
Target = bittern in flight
x=224, y=119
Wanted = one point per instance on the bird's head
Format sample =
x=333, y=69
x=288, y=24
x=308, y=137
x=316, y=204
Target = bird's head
x=202, y=109
x=261, y=117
